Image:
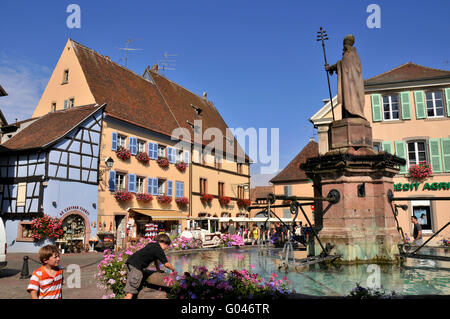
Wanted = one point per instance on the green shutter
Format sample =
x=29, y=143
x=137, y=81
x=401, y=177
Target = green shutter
x=435, y=155
x=387, y=147
x=400, y=151
x=446, y=153
x=447, y=96
x=377, y=112
x=406, y=105
x=419, y=99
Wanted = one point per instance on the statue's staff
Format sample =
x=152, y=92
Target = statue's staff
x=322, y=36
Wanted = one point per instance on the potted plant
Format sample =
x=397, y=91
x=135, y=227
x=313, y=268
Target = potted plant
x=144, y=197
x=46, y=227
x=207, y=198
x=164, y=199
x=143, y=157
x=224, y=200
x=181, y=166
x=163, y=162
x=182, y=201
x=123, y=196
x=420, y=171
x=242, y=202
x=123, y=153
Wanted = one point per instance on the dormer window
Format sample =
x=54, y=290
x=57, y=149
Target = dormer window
x=65, y=77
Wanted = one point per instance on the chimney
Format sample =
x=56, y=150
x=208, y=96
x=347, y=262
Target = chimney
x=205, y=95
x=155, y=68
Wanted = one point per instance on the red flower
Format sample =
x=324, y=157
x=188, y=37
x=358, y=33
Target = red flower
x=143, y=157
x=181, y=166
x=182, y=201
x=123, y=153
x=244, y=202
x=144, y=197
x=164, y=199
x=123, y=196
x=207, y=198
x=163, y=162
x=224, y=200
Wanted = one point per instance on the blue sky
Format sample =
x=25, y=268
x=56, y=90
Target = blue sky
x=258, y=61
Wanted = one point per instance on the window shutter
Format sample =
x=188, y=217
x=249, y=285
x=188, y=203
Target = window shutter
x=406, y=105
x=181, y=189
x=419, y=99
x=387, y=146
x=400, y=151
x=170, y=188
x=112, y=181
x=186, y=157
x=171, y=155
x=149, y=185
x=447, y=98
x=66, y=104
x=114, y=141
x=446, y=153
x=132, y=183
x=435, y=155
x=377, y=113
x=153, y=150
x=133, y=145
x=155, y=186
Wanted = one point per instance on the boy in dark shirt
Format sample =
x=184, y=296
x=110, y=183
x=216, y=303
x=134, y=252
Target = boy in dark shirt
x=417, y=233
x=136, y=263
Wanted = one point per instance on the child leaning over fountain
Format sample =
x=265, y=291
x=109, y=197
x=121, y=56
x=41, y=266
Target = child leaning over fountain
x=136, y=263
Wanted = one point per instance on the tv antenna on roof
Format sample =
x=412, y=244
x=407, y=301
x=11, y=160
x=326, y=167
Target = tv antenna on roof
x=166, y=63
x=127, y=48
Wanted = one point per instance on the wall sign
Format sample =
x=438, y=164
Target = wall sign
x=70, y=208
x=417, y=186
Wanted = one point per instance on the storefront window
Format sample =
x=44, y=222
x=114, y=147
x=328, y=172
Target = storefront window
x=422, y=210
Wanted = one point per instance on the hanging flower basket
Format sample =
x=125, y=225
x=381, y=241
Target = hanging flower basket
x=164, y=199
x=206, y=198
x=182, y=201
x=181, y=166
x=421, y=171
x=144, y=197
x=123, y=196
x=224, y=200
x=143, y=157
x=244, y=202
x=163, y=162
x=46, y=227
x=123, y=153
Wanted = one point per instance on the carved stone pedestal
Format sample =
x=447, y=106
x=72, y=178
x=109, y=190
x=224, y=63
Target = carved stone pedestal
x=350, y=132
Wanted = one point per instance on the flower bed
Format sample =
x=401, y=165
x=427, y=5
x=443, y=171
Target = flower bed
x=46, y=227
x=163, y=162
x=183, y=243
x=244, y=202
x=421, y=171
x=164, y=199
x=144, y=197
x=224, y=200
x=181, y=166
x=143, y=157
x=206, y=198
x=123, y=196
x=123, y=153
x=228, y=240
x=182, y=201
x=223, y=284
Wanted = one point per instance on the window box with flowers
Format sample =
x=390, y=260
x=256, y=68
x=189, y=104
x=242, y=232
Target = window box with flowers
x=163, y=162
x=164, y=199
x=181, y=166
x=123, y=196
x=182, y=201
x=143, y=157
x=207, y=198
x=421, y=171
x=244, y=202
x=224, y=200
x=46, y=227
x=123, y=153
x=144, y=197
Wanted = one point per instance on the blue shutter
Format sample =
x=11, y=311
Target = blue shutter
x=114, y=141
x=170, y=188
x=112, y=181
x=186, y=157
x=132, y=183
x=133, y=145
x=153, y=150
x=179, y=189
x=149, y=186
x=171, y=155
x=154, y=186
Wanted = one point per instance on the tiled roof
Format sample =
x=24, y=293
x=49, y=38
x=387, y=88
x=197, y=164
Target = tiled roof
x=260, y=192
x=161, y=106
x=292, y=171
x=49, y=128
x=407, y=72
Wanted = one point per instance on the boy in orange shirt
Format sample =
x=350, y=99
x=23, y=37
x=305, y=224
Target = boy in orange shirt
x=46, y=281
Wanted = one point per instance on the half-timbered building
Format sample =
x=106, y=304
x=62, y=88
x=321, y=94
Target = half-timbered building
x=51, y=167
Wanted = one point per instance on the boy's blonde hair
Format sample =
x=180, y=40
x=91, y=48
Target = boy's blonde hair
x=47, y=251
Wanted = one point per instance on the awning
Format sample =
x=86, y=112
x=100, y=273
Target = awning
x=159, y=215
x=254, y=219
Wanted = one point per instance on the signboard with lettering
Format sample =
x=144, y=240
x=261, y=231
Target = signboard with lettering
x=399, y=187
x=71, y=208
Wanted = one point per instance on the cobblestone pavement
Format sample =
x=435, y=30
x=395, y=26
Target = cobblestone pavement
x=16, y=287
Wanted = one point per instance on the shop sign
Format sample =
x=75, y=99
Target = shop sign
x=71, y=208
x=417, y=186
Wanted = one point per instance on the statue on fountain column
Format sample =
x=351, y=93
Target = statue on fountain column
x=350, y=81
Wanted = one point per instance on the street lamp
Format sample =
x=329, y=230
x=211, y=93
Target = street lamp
x=109, y=164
